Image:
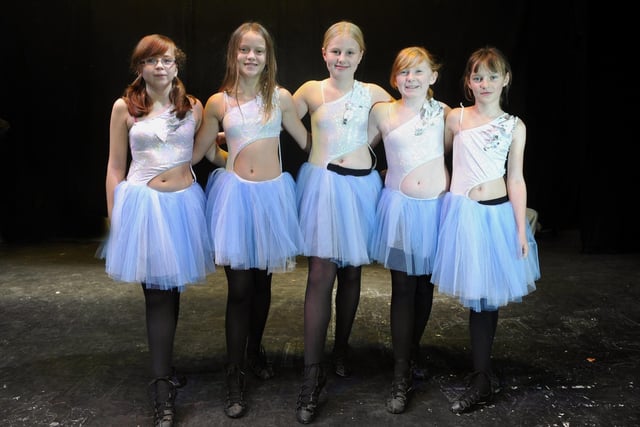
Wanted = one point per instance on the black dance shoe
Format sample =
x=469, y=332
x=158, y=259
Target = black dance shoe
x=313, y=382
x=164, y=409
x=401, y=389
x=236, y=406
x=480, y=391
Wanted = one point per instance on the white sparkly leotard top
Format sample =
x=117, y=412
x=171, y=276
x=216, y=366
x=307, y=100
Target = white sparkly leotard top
x=158, y=144
x=245, y=124
x=340, y=126
x=480, y=153
x=414, y=143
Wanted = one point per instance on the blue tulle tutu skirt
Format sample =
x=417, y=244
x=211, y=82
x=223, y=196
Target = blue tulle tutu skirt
x=337, y=214
x=407, y=232
x=253, y=224
x=158, y=238
x=478, y=257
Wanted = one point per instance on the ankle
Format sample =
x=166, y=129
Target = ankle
x=258, y=363
x=480, y=381
x=341, y=366
x=401, y=368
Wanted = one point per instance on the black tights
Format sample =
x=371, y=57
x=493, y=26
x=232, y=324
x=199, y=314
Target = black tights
x=411, y=302
x=248, y=303
x=482, y=328
x=162, y=311
x=322, y=274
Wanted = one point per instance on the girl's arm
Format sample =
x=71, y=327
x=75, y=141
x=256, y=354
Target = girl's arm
x=300, y=97
x=118, y=149
x=292, y=123
x=516, y=186
x=205, y=140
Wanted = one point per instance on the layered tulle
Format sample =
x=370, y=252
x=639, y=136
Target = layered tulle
x=337, y=214
x=158, y=238
x=406, y=235
x=253, y=224
x=478, y=258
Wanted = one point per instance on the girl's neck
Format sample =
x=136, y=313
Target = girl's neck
x=159, y=97
x=413, y=103
x=491, y=110
x=341, y=85
x=246, y=89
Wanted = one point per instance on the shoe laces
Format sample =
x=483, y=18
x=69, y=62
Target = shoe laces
x=401, y=386
x=163, y=410
x=235, y=385
x=314, y=380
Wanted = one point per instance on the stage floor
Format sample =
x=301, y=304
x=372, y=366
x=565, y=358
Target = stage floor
x=74, y=349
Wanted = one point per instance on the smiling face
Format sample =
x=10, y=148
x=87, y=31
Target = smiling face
x=413, y=73
x=414, y=81
x=252, y=54
x=342, y=55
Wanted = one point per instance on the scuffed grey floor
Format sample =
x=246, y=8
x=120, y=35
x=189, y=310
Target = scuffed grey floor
x=73, y=348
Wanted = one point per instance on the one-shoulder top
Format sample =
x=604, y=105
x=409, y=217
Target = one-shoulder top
x=340, y=126
x=414, y=143
x=158, y=144
x=245, y=124
x=480, y=153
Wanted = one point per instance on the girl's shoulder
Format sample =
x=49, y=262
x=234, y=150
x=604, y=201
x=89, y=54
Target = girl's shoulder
x=310, y=85
x=455, y=112
x=282, y=92
x=377, y=92
x=120, y=107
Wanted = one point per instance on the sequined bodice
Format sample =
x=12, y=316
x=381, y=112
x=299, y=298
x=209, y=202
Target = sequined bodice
x=339, y=127
x=245, y=124
x=480, y=153
x=158, y=144
x=414, y=143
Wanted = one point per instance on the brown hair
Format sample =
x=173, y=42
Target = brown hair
x=138, y=101
x=268, y=81
x=492, y=58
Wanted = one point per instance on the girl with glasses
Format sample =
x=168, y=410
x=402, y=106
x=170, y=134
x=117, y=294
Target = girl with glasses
x=156, y=207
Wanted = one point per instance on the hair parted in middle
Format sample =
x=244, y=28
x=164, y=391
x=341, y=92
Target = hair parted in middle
x=268, y=81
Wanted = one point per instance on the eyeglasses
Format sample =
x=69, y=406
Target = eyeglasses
x=167, y=62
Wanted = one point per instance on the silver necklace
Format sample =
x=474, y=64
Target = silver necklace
x=348, y=109
x=422, y=123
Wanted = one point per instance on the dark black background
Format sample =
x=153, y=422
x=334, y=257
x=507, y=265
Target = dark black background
x=65, y=62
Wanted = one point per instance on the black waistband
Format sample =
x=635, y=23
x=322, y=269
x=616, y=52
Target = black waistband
x=347, y=171
x=497, y=201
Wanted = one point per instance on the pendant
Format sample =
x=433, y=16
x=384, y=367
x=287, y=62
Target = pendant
x=348, y=113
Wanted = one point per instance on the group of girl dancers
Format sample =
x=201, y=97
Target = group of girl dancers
x=464, y=231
